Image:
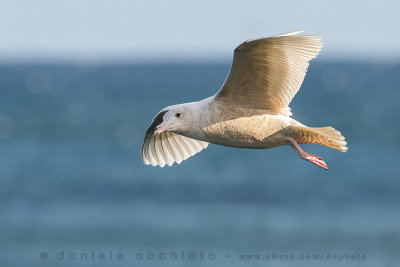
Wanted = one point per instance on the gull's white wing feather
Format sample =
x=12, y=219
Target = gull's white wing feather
x=267, y=73
x=167, y=148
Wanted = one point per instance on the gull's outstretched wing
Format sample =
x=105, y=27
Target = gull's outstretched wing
x=267, y=73
x=168, y=147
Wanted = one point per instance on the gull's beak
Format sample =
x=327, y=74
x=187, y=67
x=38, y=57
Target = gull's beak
x=162, y=127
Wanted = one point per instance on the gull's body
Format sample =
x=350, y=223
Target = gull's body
x=251, y=109
x=233, y=126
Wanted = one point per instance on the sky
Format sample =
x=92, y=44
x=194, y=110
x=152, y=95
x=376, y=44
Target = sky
x=206, y=30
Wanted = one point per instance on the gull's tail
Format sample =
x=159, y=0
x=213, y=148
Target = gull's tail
x=325, y=136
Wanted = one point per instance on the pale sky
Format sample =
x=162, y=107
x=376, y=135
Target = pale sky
x=127, y=30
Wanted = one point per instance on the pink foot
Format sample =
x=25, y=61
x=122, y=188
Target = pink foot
x=307, y=156
x=315, y=160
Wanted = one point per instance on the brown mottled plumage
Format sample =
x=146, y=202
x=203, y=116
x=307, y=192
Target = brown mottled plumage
x=251, y=109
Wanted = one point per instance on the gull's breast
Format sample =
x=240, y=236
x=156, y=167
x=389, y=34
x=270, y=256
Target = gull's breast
x=257, y=131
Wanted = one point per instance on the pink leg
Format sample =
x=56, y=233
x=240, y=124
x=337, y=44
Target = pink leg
x=307, y=156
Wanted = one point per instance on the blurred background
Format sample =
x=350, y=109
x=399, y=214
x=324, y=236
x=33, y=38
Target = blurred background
x=80, y=81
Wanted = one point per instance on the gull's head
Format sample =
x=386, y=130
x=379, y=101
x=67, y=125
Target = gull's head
x=177, y=119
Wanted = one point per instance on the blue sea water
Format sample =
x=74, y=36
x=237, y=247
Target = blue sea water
x=72, y=184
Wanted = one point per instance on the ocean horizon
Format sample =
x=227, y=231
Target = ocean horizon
x=74, y=191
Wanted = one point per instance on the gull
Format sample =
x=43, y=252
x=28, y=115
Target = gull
x=251, y=110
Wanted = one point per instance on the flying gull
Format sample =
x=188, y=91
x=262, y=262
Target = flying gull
x=251, y=110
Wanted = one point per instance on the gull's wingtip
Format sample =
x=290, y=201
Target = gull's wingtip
x=289, y=33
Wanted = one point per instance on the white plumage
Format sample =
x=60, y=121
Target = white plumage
x=168, y=147
x=251, y=110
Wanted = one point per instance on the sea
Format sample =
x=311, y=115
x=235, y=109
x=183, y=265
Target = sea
x=74, y=190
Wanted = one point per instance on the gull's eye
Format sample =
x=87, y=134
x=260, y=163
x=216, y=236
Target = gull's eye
x=178, y=114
